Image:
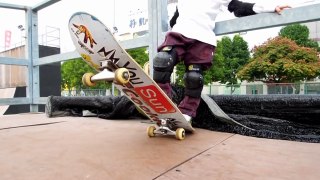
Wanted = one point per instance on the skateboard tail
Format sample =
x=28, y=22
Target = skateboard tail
x=219, y=113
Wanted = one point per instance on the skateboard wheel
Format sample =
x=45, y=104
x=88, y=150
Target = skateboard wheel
x=122, y=75
x=86, y=80
x=151, y=130
x=180, y=133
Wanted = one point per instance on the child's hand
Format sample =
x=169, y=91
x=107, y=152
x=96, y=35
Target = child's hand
x=279, y=9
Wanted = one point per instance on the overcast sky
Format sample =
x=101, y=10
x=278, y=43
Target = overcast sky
x=58, y=14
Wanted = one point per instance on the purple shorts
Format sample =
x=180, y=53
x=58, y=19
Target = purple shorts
x=190, y=51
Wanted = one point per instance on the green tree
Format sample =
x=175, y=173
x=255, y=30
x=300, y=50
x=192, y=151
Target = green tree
x=230, y=56
x=281, y=60
x=217, y=70
x=299, y=34
x=236, y=55
x=73, y=70
x=226, y=50
x=140, y=55
x=180, y=70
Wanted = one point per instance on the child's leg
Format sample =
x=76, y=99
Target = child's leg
x=197, y=58
x=163, y=65
x=193, y=87
x=166, y=87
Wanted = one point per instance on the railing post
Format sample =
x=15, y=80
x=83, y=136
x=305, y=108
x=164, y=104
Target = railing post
x=32, y=54
x=158, y=23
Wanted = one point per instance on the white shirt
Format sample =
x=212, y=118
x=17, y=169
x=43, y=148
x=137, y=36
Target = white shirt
x=197, y=18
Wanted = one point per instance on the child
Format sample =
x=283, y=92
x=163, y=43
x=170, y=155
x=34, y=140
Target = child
x=193, y=40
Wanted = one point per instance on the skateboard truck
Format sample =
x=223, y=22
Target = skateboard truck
x=165, y=128
x=121, y=75
x=108, y=64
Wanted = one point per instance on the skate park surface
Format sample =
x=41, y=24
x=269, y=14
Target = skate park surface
x=36, y=147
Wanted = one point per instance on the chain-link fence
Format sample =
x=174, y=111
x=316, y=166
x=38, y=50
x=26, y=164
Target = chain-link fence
x=264, y=88
x=86, y=92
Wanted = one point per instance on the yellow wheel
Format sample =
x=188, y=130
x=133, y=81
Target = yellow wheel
x=86, y=80
x=146, y=68
x=180, y=133
x=122, y=75
x=151, y=130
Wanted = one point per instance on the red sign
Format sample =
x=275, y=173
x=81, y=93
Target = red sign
x=155, y=99
x=7, y=39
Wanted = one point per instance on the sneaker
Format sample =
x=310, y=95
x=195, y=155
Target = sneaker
x=188, y=118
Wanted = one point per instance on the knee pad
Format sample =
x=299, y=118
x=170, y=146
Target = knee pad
x=163, y=65
x=193, y=80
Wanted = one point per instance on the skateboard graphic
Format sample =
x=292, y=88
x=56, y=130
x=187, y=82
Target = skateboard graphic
x=98, y=47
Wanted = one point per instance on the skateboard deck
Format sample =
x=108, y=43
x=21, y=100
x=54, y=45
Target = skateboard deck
x=98, y=47
x=219, y=113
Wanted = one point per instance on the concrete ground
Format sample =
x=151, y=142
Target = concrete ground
x=34, y=147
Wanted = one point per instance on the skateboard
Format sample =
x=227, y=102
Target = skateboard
x=220, y=114
x=99, y=48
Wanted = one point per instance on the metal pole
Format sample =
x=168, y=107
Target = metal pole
x=32, y=54
x=158, y=24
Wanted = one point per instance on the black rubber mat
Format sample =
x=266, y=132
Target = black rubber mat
x=286, y=117
x=278, y=117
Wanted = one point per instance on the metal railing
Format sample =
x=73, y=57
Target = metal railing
x=86, y=92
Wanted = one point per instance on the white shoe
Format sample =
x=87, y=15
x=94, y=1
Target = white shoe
x=188, y=118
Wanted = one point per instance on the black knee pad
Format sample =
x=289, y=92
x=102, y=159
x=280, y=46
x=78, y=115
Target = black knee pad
x=163, y=65
x=193, y=80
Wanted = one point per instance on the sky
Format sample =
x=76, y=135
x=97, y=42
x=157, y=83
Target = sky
x=110, y=12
